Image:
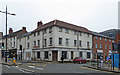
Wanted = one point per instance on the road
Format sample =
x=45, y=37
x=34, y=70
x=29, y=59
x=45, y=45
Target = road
x=49, y=68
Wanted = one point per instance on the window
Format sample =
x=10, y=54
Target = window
x=60, y=41
x=67, y=41
x=88, y=54
x=80, y=33
x=100, y=46
x=14, y=44
x=66, y=30
x=105, y=47
x=51, y=41
x=75, y=32
x=28, y=45
x=34, y=34
x=105, y=39
x=38, y=43
x=50, y=29
x=113, y=41
x=87, y=34
x=88, y=44
x=75, y=43
x=80, y=54
x=38, y=32
x=109, y=40
x=45, y=42
x=34, y=43
x=64, y=54
x=28, y=37
x=96, y=37
x=80, y=43
x=38, y=54
x=109, y=47
x=44, y=31
x=100, y=38
x=46, y=54
x=60, y=29
x=96, y=45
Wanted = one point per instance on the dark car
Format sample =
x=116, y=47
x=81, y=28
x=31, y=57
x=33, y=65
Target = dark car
x=79, y=60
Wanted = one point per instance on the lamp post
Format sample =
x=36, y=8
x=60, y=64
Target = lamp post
x=6, y=30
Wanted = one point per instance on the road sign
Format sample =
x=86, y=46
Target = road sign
x=115, y=47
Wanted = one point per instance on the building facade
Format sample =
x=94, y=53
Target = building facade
x=102, y=46
x=57, y=39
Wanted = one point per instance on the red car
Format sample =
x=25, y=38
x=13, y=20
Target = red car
x=79, y=60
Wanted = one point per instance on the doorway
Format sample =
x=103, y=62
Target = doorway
x=54, y=55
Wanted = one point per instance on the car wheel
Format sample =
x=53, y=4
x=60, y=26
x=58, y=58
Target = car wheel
x=80, y=62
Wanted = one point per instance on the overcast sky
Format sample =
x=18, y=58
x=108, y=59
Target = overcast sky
x=95, y=15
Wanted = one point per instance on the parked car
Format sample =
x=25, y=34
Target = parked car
x=79, y=60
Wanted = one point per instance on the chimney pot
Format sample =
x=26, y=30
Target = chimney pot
x=10, y=30
x=39, y=24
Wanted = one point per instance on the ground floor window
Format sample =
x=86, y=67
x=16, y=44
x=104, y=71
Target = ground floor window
x=46, y=54
x=99, y=55
x=64, y=54
x=88, y=54
x=80, y=54
x=38, y=54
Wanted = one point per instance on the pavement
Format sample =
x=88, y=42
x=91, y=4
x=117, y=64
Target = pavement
x=105, y=67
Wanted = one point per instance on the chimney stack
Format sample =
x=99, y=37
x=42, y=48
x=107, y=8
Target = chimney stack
x=24, y=30
x=1, y=34
x=10, y=30
x=39, y=24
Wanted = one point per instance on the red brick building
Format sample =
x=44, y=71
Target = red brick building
x=102, y=46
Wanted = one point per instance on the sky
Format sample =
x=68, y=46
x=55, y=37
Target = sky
x=95, y=15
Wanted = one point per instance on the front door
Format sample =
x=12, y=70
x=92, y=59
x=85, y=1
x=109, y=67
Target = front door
x=71, y=54
x=54, y=55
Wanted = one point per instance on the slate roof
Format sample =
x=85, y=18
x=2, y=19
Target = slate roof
x=64, y=25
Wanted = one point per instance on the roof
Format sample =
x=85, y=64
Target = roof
x=98, y=34
x=17, y=33
x=63, y=24
x=26, y=34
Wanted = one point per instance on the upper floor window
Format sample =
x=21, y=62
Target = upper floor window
x=109, y=47
x=113, y=41
x=100, y=46
x=75, y=43
x=38, y=32
x=109, y=40
x=34, y=34
x=45, y=42
x=100, y=38
x=60, y=29
x=60, y=41
x=75, y=32
x=51, y=41
x=96, y=37
x=96, y=45
x=38, y=42
x=105, y=39
x=45, y=31
x=67, y=41
x=88, y=44
x=105, y=47
x=34, y=43
x=28, y=37
x=66, y=30
x=80, y=43
x=28, y=44
x=80, y=33
x=50, y=29
x=87, y=34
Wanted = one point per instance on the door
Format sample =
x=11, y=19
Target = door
x=54, y=55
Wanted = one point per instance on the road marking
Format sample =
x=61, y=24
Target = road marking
x=25, y=70
x=7, y=66
x=36, y=67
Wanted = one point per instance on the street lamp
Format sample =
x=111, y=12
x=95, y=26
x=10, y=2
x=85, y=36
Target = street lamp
x=6, y=30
